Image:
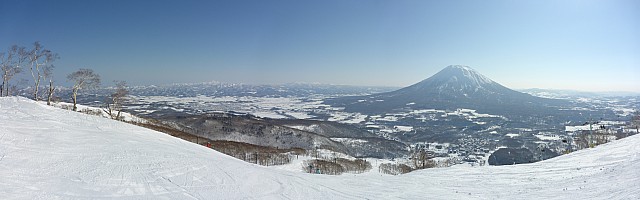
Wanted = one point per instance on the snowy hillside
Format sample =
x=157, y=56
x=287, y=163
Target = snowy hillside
x=50, y=153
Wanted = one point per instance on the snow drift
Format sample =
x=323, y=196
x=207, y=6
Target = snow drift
x=49, y=153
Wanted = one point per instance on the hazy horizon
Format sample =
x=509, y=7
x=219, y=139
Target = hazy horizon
x=590, y=46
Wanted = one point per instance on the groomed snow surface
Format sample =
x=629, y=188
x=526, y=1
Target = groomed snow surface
x=50, y=153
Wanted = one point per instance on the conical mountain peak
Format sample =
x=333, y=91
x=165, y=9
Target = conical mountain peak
x=459, y=79
x=461, y=74
x=455, y=86
x=464, y=67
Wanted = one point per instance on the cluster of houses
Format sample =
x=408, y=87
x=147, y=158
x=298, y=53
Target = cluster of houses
x=469, y=150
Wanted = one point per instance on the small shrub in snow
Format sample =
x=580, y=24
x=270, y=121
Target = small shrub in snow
x=91, y=112
x=65, y=106
x=394, y=169
x=354, y=166
x=322, y=167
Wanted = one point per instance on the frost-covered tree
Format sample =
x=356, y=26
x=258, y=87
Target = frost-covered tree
x=82, y=79
x=39, y=58
x=422, y=159
x=11, y=64
x=116, y=99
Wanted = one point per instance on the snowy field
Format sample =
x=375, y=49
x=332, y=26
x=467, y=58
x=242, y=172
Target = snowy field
x=50, y=153
x=268, y=107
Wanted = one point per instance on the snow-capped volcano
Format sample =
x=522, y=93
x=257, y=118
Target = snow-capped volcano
x=457, y=81
x=455, y=86
x=456, y=78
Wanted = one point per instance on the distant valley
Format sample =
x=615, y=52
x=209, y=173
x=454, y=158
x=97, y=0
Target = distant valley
x=457, y=113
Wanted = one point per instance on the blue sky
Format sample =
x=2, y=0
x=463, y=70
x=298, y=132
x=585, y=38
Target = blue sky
x=575, y=44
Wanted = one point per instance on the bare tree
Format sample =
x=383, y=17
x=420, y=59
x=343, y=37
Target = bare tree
x=39, y=57
x=11, y=64
x=117, y=98
x=635, y=121
x=5, y=60
x=48, y=74
x=422, y=159
x=2, y=64
x=82, y=79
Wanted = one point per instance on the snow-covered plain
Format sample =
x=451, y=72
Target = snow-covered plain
x=50, y=153
x=267, y=107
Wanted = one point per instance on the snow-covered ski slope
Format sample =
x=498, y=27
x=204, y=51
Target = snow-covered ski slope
x=49, y=153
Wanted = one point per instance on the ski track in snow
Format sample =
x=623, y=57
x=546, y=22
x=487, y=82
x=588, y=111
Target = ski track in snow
x=49, y=153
